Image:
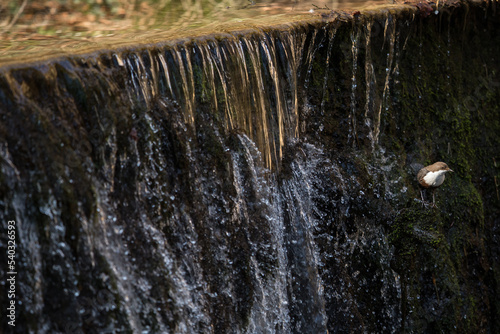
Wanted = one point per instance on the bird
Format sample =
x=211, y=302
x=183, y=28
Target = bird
x=431, y=177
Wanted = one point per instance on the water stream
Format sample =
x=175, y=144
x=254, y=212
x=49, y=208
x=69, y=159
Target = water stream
x=237, y=184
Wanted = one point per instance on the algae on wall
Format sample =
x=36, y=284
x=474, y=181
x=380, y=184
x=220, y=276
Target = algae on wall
x=427, y=88
x=453, y=112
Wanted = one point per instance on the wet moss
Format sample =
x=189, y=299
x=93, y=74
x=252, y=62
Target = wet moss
x=438, y=103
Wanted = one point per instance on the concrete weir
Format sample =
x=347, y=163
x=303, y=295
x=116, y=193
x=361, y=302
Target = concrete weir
x=258, y=178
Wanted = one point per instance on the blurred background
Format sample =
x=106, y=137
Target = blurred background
x=63, y=18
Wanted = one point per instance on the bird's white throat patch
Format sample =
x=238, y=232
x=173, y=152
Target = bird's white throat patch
x=434, y=179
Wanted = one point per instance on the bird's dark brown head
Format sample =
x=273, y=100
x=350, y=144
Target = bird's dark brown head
x=437, y=166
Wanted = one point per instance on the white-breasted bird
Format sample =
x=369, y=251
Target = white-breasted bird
x=431, y=177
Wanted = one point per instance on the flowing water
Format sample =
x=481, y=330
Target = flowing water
x=234, y=184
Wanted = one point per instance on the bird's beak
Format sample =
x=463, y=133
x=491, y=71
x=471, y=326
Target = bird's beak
x=450, y=170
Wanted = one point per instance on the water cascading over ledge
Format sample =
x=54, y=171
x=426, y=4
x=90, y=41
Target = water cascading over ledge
x=261, y=181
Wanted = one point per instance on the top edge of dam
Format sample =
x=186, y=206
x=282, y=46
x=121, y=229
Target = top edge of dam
x=51, y=50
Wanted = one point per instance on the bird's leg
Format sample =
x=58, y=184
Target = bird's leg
x=422, y=196
x=433, y=199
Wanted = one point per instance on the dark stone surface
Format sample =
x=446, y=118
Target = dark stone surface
x=260, y=182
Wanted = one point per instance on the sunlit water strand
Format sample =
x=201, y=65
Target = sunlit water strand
x=371, y=81
x=389, y=37
x=355, y=35
x=238, y=183
x=331, y=42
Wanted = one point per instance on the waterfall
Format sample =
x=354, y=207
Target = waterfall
x=250, y=182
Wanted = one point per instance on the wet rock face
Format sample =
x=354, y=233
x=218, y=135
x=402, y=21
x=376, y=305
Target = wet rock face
x=259, y=183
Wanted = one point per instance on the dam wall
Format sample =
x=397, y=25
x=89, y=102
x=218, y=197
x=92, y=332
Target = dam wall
x=259, y=180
